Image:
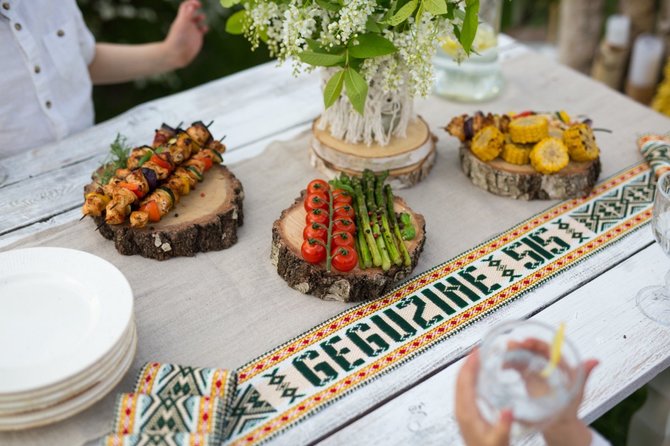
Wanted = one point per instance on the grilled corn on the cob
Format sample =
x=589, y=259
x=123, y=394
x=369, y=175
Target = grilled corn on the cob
x=529, y=129
x=549, y=156
x=516, y=153
x=487, y=143
x=581, y=143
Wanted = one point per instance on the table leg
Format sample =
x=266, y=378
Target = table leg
x=650, y=425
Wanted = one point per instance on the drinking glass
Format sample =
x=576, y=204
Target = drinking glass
x=512, y=375
x=654, y=301
x=477, y=77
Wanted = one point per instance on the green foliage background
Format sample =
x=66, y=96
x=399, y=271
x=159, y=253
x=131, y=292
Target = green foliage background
x=143, y=21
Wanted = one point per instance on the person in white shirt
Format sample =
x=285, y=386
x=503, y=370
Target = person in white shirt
x=565, y=430
x=50, y=60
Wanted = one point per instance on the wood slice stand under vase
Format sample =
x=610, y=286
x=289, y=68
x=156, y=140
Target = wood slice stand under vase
x=204, y=220
x=408, y=160
x=355, y=285
x=524, y=182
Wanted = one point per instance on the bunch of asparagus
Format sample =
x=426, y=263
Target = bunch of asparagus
x=379, y=241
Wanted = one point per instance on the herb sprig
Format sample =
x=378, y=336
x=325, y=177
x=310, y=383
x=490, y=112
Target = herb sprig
x=119, y=151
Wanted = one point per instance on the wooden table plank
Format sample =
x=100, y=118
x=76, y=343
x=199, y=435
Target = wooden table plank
x=601, y=319
x=279, y=106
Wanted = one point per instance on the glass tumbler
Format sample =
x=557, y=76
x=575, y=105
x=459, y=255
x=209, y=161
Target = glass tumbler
x=478, y=77
x=514, y=357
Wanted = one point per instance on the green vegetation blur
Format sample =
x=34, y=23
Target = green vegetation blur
x=143, y=21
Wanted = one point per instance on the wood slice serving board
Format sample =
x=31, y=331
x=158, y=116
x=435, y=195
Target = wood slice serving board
x=355, y=285
x=524, y=182
x=408, y=160
x=204, y=220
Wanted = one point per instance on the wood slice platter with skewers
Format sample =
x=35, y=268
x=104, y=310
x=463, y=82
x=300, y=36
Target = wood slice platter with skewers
x=555, y=159
x=171, y=199
x=354, y=285
x=205, y=220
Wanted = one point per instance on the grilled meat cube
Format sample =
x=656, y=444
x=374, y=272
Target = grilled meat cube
x=139, y=219
x=136, y=155
x=163, y=135
x=199, y=133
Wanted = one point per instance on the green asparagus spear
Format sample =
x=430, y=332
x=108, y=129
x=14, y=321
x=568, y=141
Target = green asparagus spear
x=362, y=211
x=389, y=239
x=376, y=231
x=407, y=260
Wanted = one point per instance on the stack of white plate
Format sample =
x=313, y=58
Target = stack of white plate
x=67, y=333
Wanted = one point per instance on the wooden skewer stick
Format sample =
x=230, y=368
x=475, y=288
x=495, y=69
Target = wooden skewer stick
x=210, y=123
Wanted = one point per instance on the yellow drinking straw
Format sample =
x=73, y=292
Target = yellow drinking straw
x=555, y=355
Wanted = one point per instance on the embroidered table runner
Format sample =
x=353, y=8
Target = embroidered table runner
x=305, y=375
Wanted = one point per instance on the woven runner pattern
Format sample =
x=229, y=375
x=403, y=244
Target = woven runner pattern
x=656, y=150
x=305, y=375
x=173, y=405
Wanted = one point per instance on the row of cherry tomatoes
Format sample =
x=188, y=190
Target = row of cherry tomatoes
x=321, y=220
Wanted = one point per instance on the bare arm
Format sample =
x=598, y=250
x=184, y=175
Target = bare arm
x=115, y=63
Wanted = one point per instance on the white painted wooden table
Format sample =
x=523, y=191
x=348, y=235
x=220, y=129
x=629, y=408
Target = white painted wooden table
x=413, y=404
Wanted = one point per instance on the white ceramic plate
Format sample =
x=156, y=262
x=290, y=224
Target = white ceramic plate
x=77, y=403
x=61, y=311
x=49, y=396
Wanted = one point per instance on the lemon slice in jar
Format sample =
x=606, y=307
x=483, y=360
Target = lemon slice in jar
x=484, y=39
x=555, y=353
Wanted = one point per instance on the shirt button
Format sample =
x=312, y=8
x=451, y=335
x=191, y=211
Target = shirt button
x=17, y=26
x=60, y=33
x=5, y=6
x=37, y=69
x=48, y=104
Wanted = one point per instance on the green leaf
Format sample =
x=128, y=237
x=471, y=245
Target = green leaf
x=321, y=59
x=403, y=13
x=470, y=22
x=333, y=88
x=328, y=6
x=435, y=7
x=372, y=26
x=236, y=22
x=357, y=89
x=371, y=45
x=229, y=3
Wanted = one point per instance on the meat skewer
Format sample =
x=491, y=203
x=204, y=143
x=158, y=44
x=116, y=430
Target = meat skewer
x=148, y=168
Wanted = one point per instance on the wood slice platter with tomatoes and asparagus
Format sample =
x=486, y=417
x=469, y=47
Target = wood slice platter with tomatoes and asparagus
x=348, y=240
x=529, y=155
x=170, y=199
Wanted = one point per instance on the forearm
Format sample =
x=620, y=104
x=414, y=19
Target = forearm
x=115, y=63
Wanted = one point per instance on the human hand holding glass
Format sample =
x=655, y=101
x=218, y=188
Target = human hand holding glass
x=513, y=381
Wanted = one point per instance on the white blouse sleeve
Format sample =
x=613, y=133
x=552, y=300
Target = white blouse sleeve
x=598, y=440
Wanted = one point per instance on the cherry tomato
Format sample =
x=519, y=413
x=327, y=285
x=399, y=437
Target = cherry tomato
x=344, y=258
x=344, y=211
x=343, y=239
x=317, y=200
x=317, y=186
x=315, y=231
x=342, y=197
x=317, y=216
x=313, y=251
x=344, y=224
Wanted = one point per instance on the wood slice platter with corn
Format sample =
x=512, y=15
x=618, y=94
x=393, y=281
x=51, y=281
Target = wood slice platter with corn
x=528, y=155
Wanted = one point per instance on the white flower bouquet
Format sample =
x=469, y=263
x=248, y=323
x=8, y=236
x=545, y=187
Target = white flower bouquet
x=377, y=54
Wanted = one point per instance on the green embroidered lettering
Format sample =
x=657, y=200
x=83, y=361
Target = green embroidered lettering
x=310, y=372
x=372, y=345
x=418, y=314
x=450, y=294
x=511, y=251
x=338, y=355
x=477, y=281
x=407, y=328
x=437, y=301
x=563, y=246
